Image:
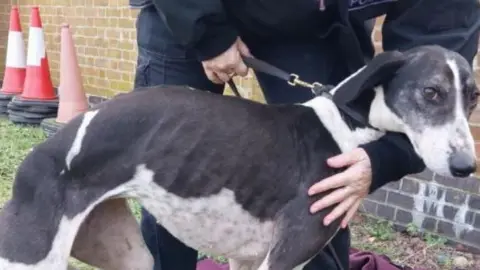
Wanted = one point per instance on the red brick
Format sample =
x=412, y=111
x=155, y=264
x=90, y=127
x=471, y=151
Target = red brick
x=477, y=150
x=475, y=130
x=475, y=117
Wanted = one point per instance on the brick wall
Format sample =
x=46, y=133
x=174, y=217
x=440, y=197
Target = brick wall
x=103, y=32
x=4, y=14
x=105, y=38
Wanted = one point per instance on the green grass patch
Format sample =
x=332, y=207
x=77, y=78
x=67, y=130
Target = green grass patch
x=15, y=143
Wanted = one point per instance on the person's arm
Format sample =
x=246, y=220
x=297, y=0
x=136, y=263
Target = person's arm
x=392, y=157
x=200, y=25
x=452, y=24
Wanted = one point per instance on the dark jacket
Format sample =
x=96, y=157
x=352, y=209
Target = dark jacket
x=210, y=26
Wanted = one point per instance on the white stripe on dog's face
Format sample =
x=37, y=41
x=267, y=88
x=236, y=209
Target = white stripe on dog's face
x=461, y=141
x=77, y=142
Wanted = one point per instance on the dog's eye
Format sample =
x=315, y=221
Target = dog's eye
x=430, y=93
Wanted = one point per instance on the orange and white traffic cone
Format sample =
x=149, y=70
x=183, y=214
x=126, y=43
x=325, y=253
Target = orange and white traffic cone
x=14, y=76
x=38, y=83
x=72, y=98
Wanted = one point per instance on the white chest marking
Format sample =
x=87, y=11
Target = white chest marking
x=331, y=118
x=77, y=142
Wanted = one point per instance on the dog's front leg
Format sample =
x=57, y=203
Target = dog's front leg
x=110, y=239
x=298, y=236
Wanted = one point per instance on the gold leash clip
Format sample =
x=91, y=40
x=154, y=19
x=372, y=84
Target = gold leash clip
x=295, y=80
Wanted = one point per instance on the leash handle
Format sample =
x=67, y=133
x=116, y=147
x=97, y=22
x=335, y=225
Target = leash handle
x=264, y=67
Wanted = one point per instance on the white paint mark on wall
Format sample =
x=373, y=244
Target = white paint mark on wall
x=427, y=200
x=461, y=223
x=440, y=206
x=431, y=197
x=418, y=203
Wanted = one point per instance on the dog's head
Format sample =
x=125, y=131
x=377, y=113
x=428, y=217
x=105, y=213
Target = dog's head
x=427, y=93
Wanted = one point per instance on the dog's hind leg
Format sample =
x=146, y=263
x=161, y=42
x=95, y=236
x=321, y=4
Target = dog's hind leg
x=110, y=239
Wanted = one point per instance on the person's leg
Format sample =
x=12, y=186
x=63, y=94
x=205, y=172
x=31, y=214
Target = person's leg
x=325, y=260
x=312, y=61
x=162, y=61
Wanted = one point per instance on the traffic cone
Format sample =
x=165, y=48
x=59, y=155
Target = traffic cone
x=38, y=99
x=72, y=98
x=14, y=75
x=38, y=84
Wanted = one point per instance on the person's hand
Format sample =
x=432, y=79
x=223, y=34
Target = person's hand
x=353, y=184
x=223, y=67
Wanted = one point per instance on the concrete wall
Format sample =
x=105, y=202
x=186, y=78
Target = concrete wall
x=104, y=34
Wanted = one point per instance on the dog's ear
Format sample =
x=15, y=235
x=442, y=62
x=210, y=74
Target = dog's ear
x=380, y=69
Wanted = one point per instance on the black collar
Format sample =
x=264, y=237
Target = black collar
x=294, y=80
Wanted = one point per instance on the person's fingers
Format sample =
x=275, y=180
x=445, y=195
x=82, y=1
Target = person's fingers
x=241, y=69
x=213, y=77
x=339, y=210
x=226, y=68
x=223, y=76
x=332, y=198
x=351, y=212
x=243, y=49
x=345, y=159
x=334, y=181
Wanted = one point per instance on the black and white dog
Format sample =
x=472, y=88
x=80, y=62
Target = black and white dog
x=226, y=176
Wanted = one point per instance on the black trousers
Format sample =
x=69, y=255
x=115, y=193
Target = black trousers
x=163, y=61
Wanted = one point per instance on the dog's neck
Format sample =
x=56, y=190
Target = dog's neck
x=381, y=116
x=346, y=131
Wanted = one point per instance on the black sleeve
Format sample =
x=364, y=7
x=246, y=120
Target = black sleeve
x=392, y=157
x=198, y=24
x=452, y=24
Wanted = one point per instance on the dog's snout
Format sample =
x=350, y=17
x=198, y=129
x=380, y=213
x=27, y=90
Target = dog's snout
x=462, y=164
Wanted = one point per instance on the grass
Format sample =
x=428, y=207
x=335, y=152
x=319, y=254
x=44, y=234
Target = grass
x=15, y=142
x=367, y=233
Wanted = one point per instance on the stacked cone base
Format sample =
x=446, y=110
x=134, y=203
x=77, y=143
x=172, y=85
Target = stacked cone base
x=31, y=112
x=50, y=126
x=4, y=101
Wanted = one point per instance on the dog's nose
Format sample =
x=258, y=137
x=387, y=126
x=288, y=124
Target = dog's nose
x=462, y=164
